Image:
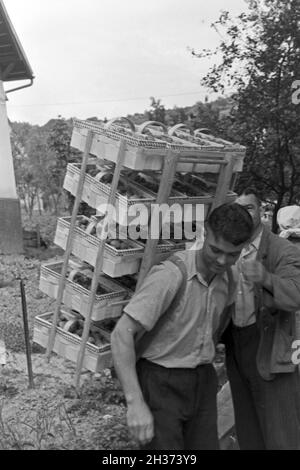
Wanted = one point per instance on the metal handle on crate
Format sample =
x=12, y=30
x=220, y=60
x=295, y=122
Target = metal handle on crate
x=174, y=129
x=75, y=271
x=101, y=173
x=141, y=128
x=118, y=119
x=91, y=226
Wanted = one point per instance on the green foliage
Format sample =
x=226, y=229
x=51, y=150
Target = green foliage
x=157, y=111
x=46, y=225
x=206, y=114
x=260, y=60
x=41, y=155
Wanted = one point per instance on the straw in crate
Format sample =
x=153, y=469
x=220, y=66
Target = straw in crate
x=76, y=292
x=120, y=256
x=67, y=344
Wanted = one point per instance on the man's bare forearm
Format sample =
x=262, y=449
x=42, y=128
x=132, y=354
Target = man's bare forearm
x=139, y=417
x=123, y=351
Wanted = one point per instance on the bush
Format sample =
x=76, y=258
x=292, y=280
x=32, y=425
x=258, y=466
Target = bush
x=46, y=222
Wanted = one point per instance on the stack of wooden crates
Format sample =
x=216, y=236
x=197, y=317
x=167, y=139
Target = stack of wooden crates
x=154, y=165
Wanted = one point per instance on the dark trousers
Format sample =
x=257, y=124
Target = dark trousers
x=184, y=406
x=267, y=413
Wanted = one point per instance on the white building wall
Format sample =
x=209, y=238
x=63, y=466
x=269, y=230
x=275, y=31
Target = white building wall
x=7, y=175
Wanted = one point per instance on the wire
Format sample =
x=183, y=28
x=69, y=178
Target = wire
x=101, y=101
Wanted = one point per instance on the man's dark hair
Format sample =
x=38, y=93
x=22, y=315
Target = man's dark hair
x=250, y=190
x=232, y=222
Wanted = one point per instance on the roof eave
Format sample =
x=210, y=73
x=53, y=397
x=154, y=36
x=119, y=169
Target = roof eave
x=28, y=73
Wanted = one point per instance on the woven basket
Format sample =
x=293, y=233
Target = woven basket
x=145, y=146
x=85, y=246
x=96, y=193
x=141, y=152
x=209, y=146
x=159, y=131
x=76, y=296
x=67, y=345
x=175, y=196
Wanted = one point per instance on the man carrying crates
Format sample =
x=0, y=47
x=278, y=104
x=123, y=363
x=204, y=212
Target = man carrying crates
x=164, y=344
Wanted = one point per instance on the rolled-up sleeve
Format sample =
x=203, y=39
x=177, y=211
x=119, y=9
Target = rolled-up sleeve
x=155, y=294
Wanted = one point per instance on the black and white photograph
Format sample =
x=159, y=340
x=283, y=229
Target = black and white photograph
x=149, y=228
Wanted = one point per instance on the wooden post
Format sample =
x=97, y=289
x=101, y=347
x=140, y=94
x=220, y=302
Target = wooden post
x=26, y=335
x=38, y=236
x=162, y=196
x=224, y=181
x=69, y=245
x=98, y=264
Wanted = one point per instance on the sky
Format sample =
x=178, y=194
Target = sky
x=106, y=58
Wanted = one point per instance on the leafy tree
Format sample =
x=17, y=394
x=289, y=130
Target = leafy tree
x=41, y=155
x=176, y=115
x=59, y=154
x=157, y=111
x=29, y=149
x=259, y=53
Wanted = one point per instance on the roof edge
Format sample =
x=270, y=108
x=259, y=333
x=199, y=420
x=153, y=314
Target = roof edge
x=14, y=36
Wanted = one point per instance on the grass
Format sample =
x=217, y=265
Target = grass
x=48, y=429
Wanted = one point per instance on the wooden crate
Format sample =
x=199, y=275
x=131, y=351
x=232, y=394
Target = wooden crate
x=210, y=147
x=76, y=296
x=85, y=246
x=105, y=145
x=140, y=153
x=96, y=194
x=67, y=345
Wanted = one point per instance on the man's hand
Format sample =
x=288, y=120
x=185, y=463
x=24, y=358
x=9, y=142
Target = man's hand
x=140, y=422
x=253, y=271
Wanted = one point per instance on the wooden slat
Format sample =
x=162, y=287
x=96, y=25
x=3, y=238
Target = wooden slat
x=69, y=245
x=199, y=161
x=165, y=187
x=224, y=182
x=98, y=264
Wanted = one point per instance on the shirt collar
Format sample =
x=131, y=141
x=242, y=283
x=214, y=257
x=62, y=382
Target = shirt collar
x=257, y=239
x=192, y=269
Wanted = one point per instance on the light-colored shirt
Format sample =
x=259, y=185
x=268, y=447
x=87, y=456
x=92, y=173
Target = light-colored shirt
x=244, y=314
x=186, y=338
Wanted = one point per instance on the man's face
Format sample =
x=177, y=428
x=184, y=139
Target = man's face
x=218, y=254
x=251, y=204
